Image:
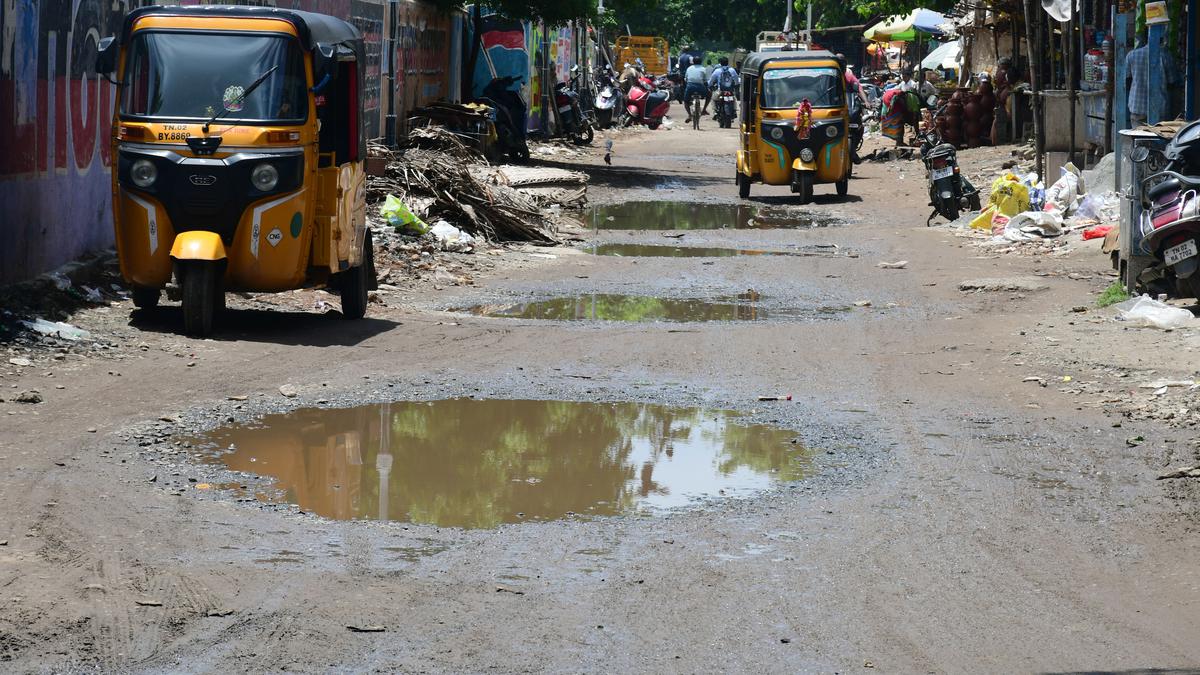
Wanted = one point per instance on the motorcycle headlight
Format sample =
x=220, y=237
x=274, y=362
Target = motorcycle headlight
x=831, y=130
x=806, y=155
x=264, y=177
x=143, y=173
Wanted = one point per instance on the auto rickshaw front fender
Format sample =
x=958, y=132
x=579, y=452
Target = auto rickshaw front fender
x=198, y=245
x=801, y=165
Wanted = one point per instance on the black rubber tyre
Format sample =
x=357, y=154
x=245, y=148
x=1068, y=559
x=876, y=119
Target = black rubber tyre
x=585, y=135
x=200, y=285
x=353, y=283
x=973, y=201
x=1188, y=288
x=949, y=211
x=843, y=187
x=604, y=118
x=803, y=182
x=653, y=126
x=743, y=182
x=146, y=298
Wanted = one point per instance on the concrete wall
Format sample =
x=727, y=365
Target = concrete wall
x=55, y=113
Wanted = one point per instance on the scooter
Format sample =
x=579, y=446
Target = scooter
x=949, y=191
x=610, y=101
x=726, y=108
x=646, y=105
x=1170, y=219
x=574, y=124
x=509, y=114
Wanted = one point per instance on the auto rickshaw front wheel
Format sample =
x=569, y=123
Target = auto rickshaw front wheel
x=802, y=184
x=743, y=182
x=200, y=281
x=843, y=187
x=356, y=281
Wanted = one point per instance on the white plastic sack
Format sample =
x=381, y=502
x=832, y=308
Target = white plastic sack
x=1104, y=207
x=1146, y=311
x=1029, y=225
x=1060, y=197
x=451, y=238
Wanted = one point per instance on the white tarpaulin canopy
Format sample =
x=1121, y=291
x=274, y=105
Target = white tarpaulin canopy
x=945, y=56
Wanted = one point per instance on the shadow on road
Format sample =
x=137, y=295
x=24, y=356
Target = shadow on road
x=273, y=326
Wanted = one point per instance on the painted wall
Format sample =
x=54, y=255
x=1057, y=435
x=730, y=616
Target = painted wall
x=55, y=174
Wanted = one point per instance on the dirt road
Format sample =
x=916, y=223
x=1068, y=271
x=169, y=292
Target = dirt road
x=958, y=518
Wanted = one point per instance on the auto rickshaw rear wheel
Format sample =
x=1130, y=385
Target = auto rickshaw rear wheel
x=356, y=281
x=146, y=298
x=743, y=182
x=200, y=282
x=843, y=187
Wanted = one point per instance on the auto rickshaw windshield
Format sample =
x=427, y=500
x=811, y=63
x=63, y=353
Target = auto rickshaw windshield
x=177, y=75
x=787, y=87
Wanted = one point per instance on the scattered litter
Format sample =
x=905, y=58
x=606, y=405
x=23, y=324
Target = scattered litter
x=148, y=602
x=238, y=397
x=1148, y=312
x=1159, y=384
x=786, y=397
x=31, y=396
x=374, y=628
x=218, y=612
x=56, y=328
x=898, y=265
x=506, y=589
x=451, y=238
x=288, y=390
x=862, y=303
x=1098, y=232
x=1014, y=284
x=20, y=361
x=1185, y=472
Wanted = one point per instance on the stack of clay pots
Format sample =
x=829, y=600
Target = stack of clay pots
x=950, y=124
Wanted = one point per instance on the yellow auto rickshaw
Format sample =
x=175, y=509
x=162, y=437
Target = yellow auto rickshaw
x=795, y=122
x=239, y=140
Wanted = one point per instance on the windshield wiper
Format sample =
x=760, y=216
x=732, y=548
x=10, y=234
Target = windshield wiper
x=249, y=90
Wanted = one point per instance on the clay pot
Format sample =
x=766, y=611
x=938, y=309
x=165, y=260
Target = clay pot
x=971, y=110
x=973, y=142
x=954, y=108
x=987, y=102
x=971, y=129
x=985, y=89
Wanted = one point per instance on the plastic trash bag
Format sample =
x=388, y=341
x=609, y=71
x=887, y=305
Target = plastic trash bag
x=1033, y=225
x=56, y=328
x=1104, y=207
x=1061, y=196
x=1009, y=195
x=400, y=217
x=1146, y=311
x=451, y=238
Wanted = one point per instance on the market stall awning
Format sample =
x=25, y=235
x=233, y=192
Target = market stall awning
x=905, y=28
x=945, y=56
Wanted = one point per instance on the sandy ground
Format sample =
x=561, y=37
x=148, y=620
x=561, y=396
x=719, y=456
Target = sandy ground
x=959, y=519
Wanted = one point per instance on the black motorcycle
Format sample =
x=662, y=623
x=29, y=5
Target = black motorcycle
x=856, y=127
x=726, y=107
x=949, y=191
x=574, y=123
x=509, y=114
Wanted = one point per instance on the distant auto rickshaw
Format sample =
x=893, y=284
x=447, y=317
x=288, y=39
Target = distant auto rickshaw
x=794, y=122
x=239, y=141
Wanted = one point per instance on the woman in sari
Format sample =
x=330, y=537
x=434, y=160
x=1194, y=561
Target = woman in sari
x=895, y=110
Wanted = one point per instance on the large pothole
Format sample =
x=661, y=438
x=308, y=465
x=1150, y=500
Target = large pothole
x=479, y=463
x=645, y=308
x=669, y=215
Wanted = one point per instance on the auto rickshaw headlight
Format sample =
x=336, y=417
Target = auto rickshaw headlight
x=265, y=177
x=806, y=155
x=831, y=130
x=143, y=173
x=777, y=133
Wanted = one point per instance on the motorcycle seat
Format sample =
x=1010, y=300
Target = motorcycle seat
x=657, y=98
x=942, y=149
x=1164, y=188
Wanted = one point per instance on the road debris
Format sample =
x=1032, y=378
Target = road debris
x=289, y=390
x=898, y=265
x=371, y=628
x=31, y=396
x=1010, y=284
x=1150, y=313
x=1185, y=472
x=148, y=602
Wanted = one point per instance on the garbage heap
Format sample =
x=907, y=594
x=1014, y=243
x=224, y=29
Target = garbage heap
x=438, y=178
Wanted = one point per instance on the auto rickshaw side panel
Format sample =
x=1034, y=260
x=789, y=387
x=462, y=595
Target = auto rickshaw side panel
x=144, y=236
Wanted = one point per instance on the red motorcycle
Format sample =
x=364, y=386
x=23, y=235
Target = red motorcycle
x=646, y=104
x=1170, y=220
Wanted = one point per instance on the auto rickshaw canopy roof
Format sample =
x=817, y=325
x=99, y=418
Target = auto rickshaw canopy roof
x=312, y=28
x=756, y=62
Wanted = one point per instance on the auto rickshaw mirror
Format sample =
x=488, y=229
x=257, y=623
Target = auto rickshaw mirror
x=106, y=56
x=324, y=66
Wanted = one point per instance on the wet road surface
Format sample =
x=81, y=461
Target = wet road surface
x=949, y=516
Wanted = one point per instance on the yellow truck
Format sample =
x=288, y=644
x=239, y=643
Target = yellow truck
x=651, y=50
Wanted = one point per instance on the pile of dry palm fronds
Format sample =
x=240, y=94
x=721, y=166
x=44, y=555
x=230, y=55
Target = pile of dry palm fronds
x=438, y=176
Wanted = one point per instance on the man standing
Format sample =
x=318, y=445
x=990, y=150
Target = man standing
x=1137, y=82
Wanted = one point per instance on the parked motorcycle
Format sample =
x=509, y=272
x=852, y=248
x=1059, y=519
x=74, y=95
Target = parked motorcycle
x=726, y=108
x=610, y=100
x=509, y=115
x=949, y=191
x=646, y=104
x=574, y=123
x=1170, y=219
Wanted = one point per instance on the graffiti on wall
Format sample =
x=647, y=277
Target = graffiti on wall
x=54, y=122
x=422, y=44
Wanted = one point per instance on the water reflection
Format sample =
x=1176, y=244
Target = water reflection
x=471, y=463
x=652, y=251
x=668, y=215
x=617, y=307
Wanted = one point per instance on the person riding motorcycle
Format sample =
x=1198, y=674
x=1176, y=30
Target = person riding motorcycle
x=724, y=77
x=694, y=77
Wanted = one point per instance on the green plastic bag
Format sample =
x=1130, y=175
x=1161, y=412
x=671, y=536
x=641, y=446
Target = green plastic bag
x=400, y=217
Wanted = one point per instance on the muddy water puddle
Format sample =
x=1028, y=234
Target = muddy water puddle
x=640, y=309
x=668, y=215
x=479, y=463
x=655, y=251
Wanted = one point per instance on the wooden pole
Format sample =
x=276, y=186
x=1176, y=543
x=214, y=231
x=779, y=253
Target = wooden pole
x=1033, y=36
